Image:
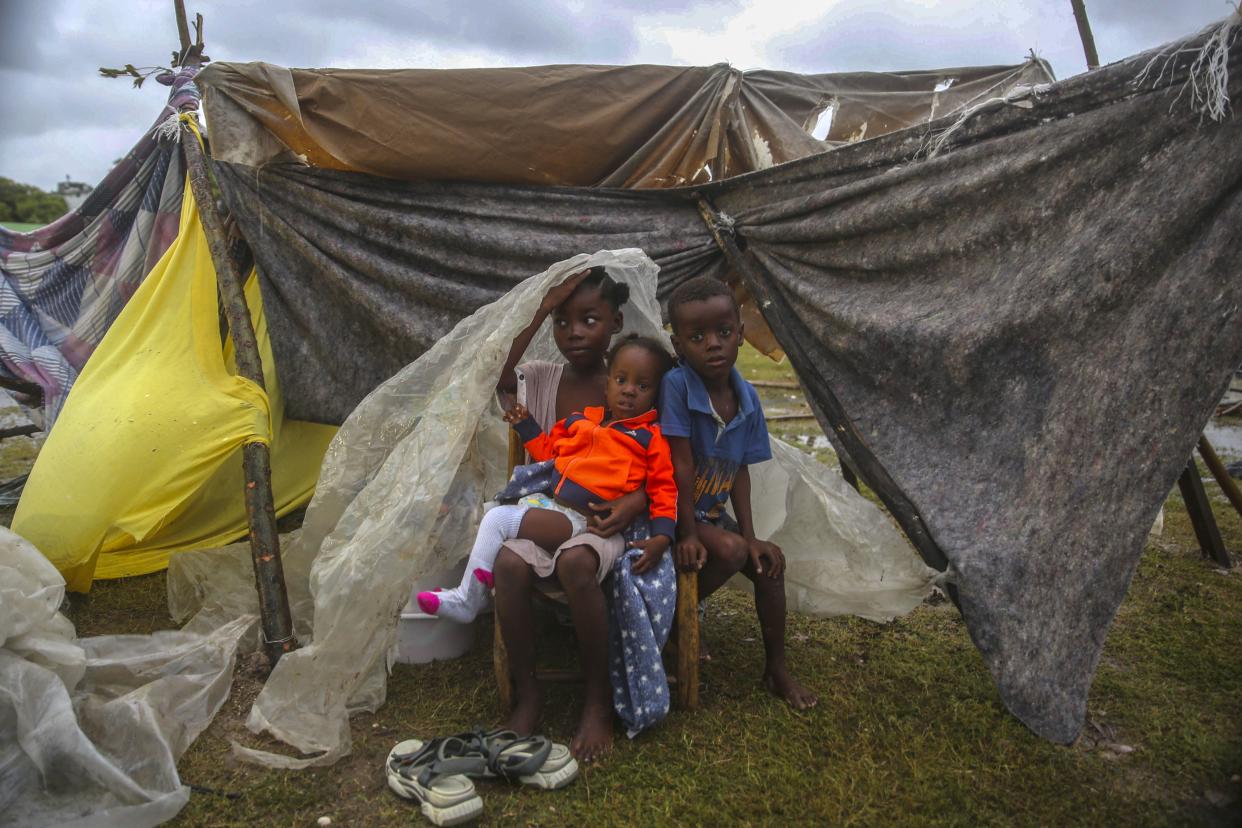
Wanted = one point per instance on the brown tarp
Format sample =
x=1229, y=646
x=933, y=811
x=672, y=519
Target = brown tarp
x=609, y=126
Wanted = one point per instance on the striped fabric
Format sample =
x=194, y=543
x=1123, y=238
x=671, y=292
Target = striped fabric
x=63, y=284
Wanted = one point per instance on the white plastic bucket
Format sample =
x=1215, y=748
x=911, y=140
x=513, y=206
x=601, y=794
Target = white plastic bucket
x=422, y=638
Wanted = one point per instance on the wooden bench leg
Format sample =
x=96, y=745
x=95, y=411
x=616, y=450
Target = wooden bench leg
x=1201, y=518
x=500, y=663
x=1227, y=484
x=688, y=640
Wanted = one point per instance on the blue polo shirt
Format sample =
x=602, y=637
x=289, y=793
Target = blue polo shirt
x=719, y=448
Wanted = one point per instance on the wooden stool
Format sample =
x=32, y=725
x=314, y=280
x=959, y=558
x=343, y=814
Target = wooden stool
x=686, y=678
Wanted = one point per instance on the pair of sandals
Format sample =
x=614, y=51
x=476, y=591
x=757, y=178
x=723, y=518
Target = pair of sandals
x=437, y=774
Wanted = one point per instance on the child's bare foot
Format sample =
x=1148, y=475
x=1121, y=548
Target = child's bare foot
x=704, y=653
x=526, y=713
x=784, y=686
x=594, y=736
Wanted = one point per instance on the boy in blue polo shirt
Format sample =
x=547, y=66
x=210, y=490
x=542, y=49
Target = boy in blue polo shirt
x=715, y=428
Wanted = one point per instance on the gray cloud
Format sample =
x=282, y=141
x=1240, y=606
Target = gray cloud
x=1147, y=23
x=538, y=31
x=23, y=32
x=57, y=102
x=535, y=28
x=905, y=34
x=901, y=34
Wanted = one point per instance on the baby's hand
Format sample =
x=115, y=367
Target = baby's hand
x=761, y=551
x=613, y=516
x=653, y=551
x=516, y=414
x=691, y=554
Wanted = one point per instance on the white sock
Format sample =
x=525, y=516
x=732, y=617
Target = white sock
x=464, y=602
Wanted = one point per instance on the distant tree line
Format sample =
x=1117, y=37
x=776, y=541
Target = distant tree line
x=24, y=204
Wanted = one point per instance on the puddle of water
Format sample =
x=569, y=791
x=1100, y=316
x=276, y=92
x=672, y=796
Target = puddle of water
x=815, y=441
x=1226, y=439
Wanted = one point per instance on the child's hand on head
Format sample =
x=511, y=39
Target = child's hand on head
x=691, y=554
x=653, y=551
x=767, y=557
x=516, y=414
x=556, y=295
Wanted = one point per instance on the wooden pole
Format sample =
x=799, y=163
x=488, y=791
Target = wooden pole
x=831, y=415
x=500, y=655
x=500, y=665
x=688, y=640
x=1227, y=484
x=256, y=460
x=848, y=474
x=1084, y=32
x=183, y=25
x=1201, y=518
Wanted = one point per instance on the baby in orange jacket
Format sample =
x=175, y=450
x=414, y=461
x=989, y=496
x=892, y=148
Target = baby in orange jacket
x=597, y=455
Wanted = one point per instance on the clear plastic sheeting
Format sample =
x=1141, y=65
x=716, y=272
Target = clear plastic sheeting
x=400, y=494
x=91, y=729
x=843, y=555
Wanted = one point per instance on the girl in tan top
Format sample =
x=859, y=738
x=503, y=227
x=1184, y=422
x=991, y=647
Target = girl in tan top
x=585, y=311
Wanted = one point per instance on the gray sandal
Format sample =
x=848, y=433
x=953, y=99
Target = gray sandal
x=531, y=760
x=423, y=772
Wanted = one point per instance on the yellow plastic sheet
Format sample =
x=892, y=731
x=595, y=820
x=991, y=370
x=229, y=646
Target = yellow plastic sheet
x=146, y=456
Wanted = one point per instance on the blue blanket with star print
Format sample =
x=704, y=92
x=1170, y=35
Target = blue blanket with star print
x=641, y=609
x=529, y=479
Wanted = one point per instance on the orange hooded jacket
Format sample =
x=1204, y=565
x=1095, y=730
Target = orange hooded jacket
x=599, y=461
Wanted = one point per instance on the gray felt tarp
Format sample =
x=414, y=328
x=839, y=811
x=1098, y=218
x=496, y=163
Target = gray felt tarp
x=361, y=275
x=1024, y=322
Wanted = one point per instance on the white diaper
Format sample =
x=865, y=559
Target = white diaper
x=577, y=520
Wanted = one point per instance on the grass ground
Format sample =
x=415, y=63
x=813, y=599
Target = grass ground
x=909, y=729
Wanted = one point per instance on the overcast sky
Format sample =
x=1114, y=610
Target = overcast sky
x=58, y=117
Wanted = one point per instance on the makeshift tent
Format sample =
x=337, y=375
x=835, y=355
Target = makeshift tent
x=189, y=505
x=905, y=230
x=978, y=370
x=862, y=569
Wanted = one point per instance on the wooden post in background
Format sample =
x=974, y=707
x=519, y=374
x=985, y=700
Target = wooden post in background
x=1084, y=32
x=1201, y=518
x=1227, y=484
